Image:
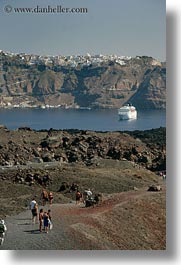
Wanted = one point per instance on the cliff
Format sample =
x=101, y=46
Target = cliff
x=109, y=84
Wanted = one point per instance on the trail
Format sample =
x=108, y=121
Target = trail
x=23, y=235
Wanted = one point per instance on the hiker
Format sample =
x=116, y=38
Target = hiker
x=50, y=225
x=89, y=193
x=41, y=214
x=3, y=229
x=50, y=197
x=164, y=176
x=34, y=210
x=44, y=196
x=78, y=196
x=45, y=222
x=85, y=196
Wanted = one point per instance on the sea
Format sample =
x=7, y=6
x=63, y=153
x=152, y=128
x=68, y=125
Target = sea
x=82, y=119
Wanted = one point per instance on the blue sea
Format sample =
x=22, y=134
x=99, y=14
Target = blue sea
x=84, y=119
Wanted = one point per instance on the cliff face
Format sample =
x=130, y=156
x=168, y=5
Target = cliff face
x=141, y=81
x=152, y=90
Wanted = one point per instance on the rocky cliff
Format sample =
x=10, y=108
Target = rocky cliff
x=140, y=80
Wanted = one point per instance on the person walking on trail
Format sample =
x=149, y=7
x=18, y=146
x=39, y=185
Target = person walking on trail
x=45, y=222
x=89, y=194
x=34, y=210
x=3, y=230
x=50, y=225
x=44, y=196
x=41, y=215
x=85, y=195
x=78, y=196
x=50, y=197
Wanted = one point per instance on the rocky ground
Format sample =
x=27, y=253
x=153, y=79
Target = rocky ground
x=25, y=146
x=120, y=165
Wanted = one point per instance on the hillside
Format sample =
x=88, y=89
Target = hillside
x=107, y=84
x=134, y=220
x=119, y=165
x=107, y=162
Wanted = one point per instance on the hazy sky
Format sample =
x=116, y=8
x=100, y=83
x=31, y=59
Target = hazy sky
x=123, y=27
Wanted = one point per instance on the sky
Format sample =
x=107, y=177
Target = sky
x=122, y=27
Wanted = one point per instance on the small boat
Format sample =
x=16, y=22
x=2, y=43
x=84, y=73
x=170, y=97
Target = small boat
x=127, y=112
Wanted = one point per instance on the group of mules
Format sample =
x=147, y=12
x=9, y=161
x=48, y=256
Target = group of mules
x=96, y=199
x=92, y=201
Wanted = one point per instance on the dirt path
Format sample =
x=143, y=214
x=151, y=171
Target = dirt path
x=71, y=226
x=22, y=234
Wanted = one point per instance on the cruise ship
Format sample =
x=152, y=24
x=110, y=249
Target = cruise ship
x=127, y=112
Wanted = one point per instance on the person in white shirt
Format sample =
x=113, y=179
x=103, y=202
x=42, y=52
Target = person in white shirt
x=89, y=193
x=34, y=209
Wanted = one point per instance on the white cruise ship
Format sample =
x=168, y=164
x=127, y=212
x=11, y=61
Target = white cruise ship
x=127, y=112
